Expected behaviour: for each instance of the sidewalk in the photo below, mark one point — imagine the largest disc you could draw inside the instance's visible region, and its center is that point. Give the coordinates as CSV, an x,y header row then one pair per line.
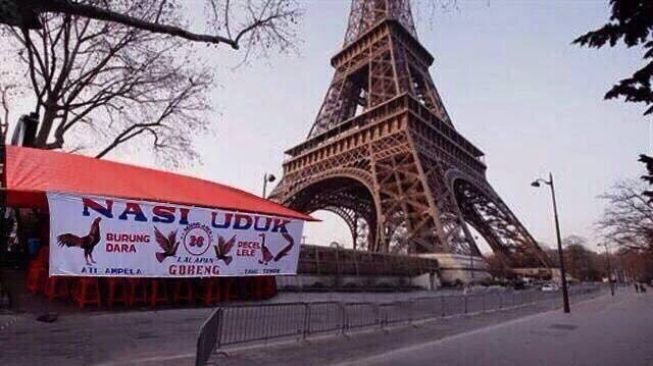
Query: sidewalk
x,y
605,331
529,335
169,336
123,337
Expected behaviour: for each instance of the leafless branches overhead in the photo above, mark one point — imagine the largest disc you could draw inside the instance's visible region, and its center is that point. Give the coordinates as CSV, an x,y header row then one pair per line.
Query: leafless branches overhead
x,y
98,85
233,22
628,217
108,74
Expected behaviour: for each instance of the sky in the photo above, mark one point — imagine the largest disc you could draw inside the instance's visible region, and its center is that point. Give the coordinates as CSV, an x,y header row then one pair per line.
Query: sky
x,y
509,77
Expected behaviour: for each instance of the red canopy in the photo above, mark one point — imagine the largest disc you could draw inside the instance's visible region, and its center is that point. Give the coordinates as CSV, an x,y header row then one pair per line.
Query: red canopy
x,y
32,172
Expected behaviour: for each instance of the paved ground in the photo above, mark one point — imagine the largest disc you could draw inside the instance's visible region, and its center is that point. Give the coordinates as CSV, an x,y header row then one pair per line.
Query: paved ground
x,y
99,338
603,331
608,331
169,336
117,337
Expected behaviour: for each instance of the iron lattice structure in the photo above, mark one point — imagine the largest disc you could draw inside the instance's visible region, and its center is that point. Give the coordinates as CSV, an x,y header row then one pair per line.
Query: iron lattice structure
x,y
384,155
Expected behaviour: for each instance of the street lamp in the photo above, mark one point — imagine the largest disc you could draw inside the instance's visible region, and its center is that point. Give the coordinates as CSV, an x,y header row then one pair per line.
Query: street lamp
x,y
607,257
471,261
565,295
267,178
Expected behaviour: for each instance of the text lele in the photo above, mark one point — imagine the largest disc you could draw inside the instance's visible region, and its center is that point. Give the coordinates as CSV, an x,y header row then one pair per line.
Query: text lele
x,y
170,214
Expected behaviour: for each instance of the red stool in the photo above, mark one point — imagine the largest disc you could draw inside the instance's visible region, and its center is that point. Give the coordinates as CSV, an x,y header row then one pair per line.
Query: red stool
x,y
182,291
159,293
264,287
87,292
244,287
254,287
210,293
227,285
136,291
117,292
37,276
57,288
269,287
257,286
43,255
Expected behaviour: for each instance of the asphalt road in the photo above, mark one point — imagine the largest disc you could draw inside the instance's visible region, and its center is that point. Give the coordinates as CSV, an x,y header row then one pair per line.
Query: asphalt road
x,y
605,331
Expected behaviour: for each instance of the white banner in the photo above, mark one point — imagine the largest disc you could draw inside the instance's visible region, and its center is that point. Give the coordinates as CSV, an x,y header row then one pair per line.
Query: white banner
x,y
98,236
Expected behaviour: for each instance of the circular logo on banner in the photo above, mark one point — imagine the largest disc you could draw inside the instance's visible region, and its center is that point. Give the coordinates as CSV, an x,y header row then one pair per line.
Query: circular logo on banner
x,y
197,238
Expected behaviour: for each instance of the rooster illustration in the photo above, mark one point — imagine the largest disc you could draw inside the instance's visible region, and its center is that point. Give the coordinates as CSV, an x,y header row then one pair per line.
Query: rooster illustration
x,y
223,248
267,254
87,242
168,244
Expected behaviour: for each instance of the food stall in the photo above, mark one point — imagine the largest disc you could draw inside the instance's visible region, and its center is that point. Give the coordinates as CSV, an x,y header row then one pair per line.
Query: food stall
x,y
122,234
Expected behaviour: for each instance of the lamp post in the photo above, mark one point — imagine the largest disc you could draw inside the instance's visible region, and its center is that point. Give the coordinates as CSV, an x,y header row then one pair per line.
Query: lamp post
x,y
565,294
471,263
267,178
607,257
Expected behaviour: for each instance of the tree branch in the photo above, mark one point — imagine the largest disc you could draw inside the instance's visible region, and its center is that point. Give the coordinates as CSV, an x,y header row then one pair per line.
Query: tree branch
x,y
94,12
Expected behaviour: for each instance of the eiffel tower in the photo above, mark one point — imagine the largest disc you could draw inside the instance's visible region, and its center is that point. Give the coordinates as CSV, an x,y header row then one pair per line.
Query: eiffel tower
x,y
384,155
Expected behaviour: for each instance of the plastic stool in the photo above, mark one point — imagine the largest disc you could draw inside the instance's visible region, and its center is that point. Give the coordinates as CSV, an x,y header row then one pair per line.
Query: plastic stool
x,y
264,287
87,292
136,291
37,276
252,286
117,292
227,285
210,293
57,288
159,293
182,291
269,287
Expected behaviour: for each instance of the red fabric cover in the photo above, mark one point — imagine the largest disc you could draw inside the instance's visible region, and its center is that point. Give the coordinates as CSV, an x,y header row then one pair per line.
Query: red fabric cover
x,y
33,172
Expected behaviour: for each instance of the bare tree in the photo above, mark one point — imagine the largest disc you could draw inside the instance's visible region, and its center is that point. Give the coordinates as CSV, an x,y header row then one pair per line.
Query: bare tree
x,y
628,218
633,264
232,22
106,84
497,266
101,84
10,90
582,263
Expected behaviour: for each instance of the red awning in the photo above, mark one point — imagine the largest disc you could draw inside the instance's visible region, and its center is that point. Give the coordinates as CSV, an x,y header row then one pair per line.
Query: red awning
x,y
32,172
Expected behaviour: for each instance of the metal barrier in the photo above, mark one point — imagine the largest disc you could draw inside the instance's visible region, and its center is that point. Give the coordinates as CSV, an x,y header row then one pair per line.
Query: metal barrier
x,y
324,317
240,324
361,315
208,341
251,323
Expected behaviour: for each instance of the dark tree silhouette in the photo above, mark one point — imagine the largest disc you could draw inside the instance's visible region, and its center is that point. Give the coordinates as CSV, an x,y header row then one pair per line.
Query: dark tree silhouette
x,y
98,86
233,22
108,74
627,220
631,22
582,263
635,264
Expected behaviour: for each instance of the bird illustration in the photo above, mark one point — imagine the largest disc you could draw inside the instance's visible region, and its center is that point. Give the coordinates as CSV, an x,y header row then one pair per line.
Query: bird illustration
x,y
87,242
284,252
223,248
168,244
267,254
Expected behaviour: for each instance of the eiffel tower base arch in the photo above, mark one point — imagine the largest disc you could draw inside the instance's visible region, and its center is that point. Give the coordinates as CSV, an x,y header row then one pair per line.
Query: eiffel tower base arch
x,y
415,190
